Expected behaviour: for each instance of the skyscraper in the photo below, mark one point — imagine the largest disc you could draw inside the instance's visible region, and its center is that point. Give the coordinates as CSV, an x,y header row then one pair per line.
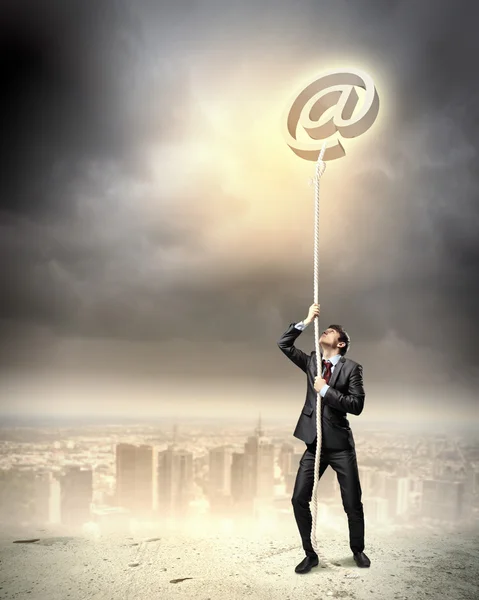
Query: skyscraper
x,y
220,474
76,489
136,478
258,467
175,481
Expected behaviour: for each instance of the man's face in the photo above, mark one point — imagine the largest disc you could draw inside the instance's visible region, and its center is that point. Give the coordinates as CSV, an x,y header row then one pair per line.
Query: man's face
x,y
330,337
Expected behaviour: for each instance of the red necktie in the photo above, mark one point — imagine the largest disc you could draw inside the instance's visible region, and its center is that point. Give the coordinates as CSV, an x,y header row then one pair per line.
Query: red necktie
x,y
327,373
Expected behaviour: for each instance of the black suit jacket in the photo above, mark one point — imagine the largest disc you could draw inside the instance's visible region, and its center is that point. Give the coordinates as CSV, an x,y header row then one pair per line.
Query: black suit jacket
x,y
345,395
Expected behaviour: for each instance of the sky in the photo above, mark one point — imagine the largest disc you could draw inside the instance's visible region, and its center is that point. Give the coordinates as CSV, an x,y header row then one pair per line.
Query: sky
x,y
157,232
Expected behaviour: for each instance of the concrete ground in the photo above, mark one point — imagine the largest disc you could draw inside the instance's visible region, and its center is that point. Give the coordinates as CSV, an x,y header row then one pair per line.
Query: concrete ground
x,y
405,564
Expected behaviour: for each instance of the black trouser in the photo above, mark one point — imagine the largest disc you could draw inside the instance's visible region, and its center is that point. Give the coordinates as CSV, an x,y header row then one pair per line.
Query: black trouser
x,y
345,465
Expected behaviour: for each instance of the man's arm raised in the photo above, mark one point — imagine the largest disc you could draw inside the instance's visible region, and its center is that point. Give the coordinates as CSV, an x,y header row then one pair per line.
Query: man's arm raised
x,y
286,342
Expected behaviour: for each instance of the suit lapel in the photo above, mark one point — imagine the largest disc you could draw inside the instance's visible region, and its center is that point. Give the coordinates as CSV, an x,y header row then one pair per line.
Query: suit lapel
x,y
336,371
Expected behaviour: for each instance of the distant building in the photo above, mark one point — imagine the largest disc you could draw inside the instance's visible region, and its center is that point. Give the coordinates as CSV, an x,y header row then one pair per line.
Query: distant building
x,y
136,478
288,462
220,476
28,496
175,481
395,490
366,477
376,509
16,495
76,492
443,500
237,477
286,459
47,498
253,472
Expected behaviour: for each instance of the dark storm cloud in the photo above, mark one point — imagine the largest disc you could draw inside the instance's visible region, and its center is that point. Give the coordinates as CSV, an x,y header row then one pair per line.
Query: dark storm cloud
x,y
76,86
74,89
438,304
103,274
61,91
418,248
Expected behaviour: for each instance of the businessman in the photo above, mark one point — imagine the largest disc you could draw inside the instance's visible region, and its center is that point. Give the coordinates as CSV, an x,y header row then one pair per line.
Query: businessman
x,y
341,388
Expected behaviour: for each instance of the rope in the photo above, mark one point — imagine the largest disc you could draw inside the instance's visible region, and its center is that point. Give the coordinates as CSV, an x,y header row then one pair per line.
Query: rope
x,y
320,168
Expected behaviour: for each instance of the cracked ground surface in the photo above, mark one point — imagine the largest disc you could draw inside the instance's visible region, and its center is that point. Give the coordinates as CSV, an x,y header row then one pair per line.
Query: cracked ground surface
x,y
405,564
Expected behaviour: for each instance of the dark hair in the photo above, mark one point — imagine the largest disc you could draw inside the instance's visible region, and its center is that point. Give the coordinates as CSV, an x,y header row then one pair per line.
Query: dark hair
x,y
343,337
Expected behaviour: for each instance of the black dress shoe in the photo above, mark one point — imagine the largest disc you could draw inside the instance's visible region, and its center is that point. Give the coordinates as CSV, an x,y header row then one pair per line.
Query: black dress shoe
x,y
307,564
361,559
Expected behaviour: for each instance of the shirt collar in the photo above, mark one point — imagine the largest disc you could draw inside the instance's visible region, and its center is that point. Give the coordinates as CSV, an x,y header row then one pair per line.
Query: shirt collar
x,y
334,359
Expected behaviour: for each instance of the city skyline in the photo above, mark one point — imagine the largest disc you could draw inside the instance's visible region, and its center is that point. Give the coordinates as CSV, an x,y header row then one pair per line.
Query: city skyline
x,y
81,478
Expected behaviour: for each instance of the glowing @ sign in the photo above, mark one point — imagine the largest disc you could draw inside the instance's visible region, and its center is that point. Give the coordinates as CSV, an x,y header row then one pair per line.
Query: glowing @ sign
x,y
333,90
